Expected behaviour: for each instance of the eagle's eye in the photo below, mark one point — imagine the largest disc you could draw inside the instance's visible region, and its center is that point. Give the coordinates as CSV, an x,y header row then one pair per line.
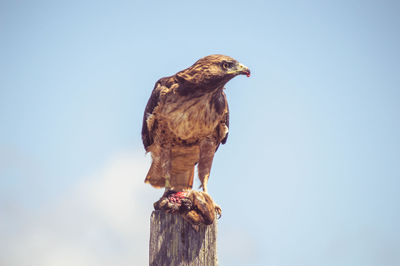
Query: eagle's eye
x,y
226,65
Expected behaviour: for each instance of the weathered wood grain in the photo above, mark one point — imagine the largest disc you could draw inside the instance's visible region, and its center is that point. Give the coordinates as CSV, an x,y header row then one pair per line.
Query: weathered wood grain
x,y
174,241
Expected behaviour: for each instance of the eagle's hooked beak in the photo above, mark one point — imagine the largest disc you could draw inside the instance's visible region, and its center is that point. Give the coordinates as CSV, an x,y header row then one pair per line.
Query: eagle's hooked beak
x,y
242,69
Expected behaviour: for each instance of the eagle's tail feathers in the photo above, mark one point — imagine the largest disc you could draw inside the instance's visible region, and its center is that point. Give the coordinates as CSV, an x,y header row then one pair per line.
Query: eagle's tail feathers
x,y
178,180
154,176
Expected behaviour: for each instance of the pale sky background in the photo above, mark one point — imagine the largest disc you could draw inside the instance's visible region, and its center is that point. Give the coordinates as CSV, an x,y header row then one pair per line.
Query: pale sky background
x,y
310,174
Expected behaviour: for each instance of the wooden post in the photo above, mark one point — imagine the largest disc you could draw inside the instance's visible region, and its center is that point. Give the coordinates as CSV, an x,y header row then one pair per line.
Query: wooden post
x,y
174,241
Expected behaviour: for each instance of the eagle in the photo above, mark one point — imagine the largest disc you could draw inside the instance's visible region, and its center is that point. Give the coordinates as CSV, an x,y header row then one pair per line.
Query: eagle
x,y
185,121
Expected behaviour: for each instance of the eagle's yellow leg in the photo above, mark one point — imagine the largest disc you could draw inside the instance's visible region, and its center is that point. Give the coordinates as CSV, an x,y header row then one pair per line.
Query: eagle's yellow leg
x,y
191,178
166,166
204,182
207,150
167,181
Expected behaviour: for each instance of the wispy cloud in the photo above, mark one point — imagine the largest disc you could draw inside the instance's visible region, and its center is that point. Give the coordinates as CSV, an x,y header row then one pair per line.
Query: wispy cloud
x,y
104,220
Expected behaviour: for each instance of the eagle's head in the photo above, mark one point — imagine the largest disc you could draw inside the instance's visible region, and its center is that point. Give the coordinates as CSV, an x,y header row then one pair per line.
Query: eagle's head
x,y
212,72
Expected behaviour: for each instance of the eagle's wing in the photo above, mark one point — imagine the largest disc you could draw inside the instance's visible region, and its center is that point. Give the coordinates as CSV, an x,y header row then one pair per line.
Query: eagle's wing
x,y
148,118
224,126
223,141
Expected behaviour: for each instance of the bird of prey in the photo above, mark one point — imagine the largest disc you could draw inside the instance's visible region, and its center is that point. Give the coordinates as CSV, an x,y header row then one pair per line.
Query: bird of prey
x,y
185,121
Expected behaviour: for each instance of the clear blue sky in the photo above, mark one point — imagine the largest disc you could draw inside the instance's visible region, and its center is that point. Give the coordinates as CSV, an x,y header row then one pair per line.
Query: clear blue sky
x,y
310,174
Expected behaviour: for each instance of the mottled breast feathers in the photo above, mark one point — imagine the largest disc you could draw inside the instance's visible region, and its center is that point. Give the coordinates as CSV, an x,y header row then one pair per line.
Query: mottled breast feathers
x,y
189,116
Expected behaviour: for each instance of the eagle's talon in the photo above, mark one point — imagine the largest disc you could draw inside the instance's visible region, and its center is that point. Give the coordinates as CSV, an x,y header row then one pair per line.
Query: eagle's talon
x,y
171,202
218,211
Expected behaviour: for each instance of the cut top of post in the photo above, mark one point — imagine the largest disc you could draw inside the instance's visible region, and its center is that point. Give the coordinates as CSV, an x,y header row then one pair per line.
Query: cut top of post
x,y
174,241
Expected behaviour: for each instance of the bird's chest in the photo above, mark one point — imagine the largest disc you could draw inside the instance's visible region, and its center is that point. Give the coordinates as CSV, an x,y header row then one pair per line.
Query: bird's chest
x,y
190,117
